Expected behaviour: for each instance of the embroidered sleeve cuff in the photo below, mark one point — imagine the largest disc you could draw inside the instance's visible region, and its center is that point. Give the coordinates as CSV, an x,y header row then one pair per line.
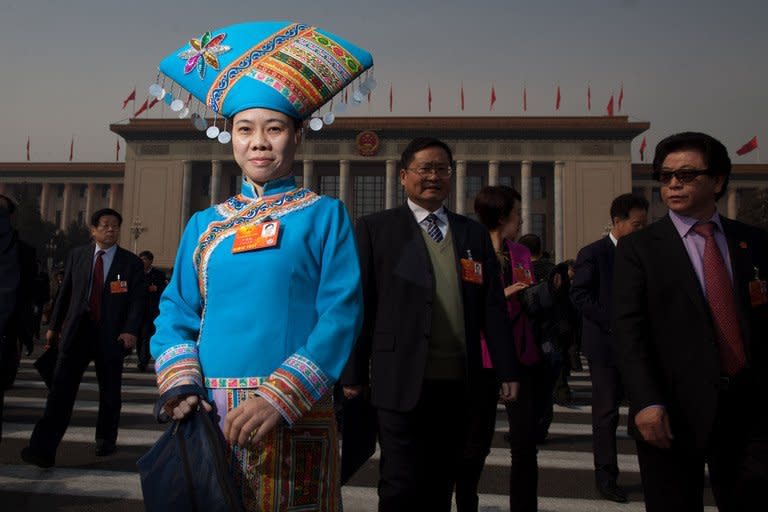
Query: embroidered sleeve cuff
x,y
178,365
295,387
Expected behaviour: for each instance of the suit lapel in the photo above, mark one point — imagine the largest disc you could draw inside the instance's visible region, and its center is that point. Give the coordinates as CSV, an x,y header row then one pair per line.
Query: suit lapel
x,y
676,257
459,233
85,272
413,264
115,267
743,271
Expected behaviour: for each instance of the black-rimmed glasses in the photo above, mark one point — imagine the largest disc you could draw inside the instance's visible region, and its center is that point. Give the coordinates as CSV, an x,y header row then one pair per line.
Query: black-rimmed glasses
x,y
682,175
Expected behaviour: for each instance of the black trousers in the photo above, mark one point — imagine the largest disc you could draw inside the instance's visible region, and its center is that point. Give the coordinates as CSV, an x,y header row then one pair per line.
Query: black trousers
x,y
421,449
142,347
673,479
70,367
607,392
523,433
484,397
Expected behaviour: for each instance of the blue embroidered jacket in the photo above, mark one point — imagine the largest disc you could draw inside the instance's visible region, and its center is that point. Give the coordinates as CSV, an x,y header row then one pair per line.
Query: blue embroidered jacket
x,y
281,319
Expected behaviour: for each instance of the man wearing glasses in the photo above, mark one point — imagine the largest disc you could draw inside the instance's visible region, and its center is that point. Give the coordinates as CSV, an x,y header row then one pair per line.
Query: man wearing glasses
x,y
691,330
97,317
431,285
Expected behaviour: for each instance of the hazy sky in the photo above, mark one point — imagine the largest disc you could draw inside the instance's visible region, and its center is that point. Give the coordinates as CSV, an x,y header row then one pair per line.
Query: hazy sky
x,y
65,67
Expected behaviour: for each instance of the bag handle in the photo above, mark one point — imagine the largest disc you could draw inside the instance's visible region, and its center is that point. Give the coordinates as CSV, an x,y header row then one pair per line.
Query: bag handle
x,y
176,391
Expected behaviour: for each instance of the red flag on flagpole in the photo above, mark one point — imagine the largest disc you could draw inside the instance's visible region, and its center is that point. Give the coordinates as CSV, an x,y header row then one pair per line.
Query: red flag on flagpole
x,y
72,149
525,99
189,98
557,101
462,96
493,96
346,95
429,97
152,103
27,148
130,97
621,96
390,96
142,108
609,108
369,97
117,150
643,145
749,146
589,98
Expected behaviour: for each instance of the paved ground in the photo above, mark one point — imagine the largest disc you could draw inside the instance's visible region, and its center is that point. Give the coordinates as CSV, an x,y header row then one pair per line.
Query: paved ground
x,y
80,481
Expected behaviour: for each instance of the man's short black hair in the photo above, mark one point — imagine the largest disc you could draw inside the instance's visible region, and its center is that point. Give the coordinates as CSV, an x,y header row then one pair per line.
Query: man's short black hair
x,y
625,203
712,150
420,143
494,203
10,204
532,242
96,217
147,254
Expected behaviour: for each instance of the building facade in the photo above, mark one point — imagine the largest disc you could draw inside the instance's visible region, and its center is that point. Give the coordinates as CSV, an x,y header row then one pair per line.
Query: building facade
x,y
567,170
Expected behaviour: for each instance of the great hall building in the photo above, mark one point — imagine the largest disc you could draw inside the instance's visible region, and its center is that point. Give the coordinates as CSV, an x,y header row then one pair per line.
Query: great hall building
x,y
567,169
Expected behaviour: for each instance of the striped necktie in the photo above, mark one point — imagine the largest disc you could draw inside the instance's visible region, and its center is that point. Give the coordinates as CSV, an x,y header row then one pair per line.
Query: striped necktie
x,y
432,228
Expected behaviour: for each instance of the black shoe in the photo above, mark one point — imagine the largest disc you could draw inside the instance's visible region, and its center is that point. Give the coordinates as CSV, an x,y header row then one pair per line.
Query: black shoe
x,y
610,491
104,447
30,457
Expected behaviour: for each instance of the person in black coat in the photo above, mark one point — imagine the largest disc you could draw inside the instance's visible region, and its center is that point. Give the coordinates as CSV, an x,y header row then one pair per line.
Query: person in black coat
x,y
430,285
155,283
9,282
690,324
97,317
591,293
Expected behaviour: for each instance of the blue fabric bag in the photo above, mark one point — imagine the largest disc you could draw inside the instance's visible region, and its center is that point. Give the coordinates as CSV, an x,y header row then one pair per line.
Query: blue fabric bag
x,y
186,469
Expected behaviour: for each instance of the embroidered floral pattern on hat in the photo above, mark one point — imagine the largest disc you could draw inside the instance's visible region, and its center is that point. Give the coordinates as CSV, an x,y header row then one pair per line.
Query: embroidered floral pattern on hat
x,y
204,52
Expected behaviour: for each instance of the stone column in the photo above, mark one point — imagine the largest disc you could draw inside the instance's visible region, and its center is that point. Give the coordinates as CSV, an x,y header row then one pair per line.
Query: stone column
x,y
113,196
186,191
345,184
559,165
390,185
461,178
526,195
733,202
215,186
45,195
309,174
65,213
89,195
493,172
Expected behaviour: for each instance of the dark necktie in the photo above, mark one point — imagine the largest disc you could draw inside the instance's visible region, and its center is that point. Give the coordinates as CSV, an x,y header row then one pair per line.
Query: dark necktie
x,y
722,302
97,284
432,228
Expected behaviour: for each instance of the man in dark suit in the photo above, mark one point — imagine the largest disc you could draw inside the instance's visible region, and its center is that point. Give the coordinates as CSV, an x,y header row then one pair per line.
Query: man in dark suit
x,y
9,282
691,338
431,285
591,293
155,283
97,316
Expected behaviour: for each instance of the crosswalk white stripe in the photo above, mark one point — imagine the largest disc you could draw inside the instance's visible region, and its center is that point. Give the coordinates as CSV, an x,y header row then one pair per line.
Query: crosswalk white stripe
x,y
548,459
124,485
89,386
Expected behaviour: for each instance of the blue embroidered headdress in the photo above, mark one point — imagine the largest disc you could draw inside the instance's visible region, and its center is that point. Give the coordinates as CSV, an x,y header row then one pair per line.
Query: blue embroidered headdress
x,y
289,67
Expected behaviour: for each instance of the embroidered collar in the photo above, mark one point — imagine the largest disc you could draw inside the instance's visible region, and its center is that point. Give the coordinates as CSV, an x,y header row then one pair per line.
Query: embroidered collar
x,y
271,188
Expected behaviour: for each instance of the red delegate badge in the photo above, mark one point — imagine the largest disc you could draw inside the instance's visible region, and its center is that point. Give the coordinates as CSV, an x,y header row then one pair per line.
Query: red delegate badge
x,y
256,236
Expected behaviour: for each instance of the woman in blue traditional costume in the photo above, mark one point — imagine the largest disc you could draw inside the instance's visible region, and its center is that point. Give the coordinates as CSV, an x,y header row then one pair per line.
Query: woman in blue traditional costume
x,y
265,319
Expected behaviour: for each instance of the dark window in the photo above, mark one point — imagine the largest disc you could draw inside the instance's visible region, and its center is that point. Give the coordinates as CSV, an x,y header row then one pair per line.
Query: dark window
x,y
539,187
83,190
329,186
205,188
472,185
369,195
656,195
539,226
59,191
57,218
105,191
81,217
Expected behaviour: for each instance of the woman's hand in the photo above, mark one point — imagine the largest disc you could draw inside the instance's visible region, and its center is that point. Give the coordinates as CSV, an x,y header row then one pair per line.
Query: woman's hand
x,y
249,422
180,407
514,289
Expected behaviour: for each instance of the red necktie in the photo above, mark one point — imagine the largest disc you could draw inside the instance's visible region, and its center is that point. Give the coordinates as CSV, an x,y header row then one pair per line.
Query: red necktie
x,y
97,284
722,302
